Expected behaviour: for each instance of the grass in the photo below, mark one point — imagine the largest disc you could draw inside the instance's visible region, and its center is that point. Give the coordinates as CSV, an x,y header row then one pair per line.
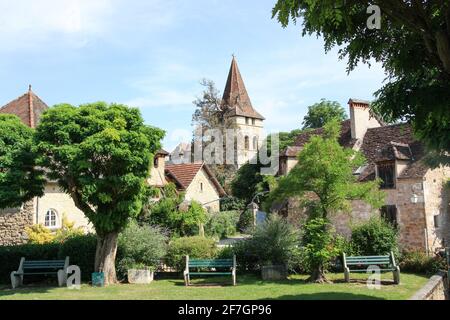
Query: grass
x,y
249,288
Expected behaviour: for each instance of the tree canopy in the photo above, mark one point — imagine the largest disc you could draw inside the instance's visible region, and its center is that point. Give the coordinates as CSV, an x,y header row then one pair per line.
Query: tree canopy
x,y
322,112
323,177
413,45
101,156
20,179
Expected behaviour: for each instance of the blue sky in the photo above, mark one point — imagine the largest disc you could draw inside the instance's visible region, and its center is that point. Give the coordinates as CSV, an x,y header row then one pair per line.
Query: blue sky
x,y
152,54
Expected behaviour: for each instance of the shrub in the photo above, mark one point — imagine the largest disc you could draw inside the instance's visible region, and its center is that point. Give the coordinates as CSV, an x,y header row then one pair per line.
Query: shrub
x,y
245,223
222,224
81,250
374,237
232,204
418,262
195,247
273,242
141,247
38,234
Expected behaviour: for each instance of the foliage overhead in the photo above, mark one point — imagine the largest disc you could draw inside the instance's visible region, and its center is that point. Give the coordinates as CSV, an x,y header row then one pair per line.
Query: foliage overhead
x,y
413,45
322,112
20,180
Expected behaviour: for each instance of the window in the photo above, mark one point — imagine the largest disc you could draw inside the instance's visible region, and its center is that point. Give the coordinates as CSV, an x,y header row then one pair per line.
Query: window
x,y
51,219
253,121
436,221
247,120
255,143
386,172
246,142
156,162
201,186
389,214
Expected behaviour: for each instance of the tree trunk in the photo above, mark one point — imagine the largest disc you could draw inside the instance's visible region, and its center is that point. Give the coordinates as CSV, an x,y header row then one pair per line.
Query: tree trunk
x,y
318,275
105,256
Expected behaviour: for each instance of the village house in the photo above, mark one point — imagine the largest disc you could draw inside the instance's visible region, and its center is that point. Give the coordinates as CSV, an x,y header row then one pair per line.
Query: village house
x,y
196,181
417,200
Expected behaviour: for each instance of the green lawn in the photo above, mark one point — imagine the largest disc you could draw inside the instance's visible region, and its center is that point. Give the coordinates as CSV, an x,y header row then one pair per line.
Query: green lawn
x,y
249,287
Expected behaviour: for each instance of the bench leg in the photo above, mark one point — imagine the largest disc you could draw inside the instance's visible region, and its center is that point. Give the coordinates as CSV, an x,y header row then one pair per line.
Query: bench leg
x,y
397,275
62,278
234,277
186,279
16,281
347,274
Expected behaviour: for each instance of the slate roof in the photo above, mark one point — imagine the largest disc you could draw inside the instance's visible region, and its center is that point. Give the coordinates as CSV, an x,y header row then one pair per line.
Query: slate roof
x,y
27,107
184,174
235,96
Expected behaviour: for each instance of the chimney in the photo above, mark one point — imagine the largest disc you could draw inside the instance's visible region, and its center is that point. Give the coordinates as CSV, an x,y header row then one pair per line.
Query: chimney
x,y
360,118
31,107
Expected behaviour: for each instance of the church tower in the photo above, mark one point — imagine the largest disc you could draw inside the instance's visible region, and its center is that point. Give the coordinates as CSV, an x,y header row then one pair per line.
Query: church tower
x,y
247,121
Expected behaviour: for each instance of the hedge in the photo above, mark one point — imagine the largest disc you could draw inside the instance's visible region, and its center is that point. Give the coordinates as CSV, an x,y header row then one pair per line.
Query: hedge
x,y
80,249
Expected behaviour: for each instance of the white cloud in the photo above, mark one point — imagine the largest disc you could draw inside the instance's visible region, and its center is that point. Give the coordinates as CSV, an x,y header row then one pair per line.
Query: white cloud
x,y
40,23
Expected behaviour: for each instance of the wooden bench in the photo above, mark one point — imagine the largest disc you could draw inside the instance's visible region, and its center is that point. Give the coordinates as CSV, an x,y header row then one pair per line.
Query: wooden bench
x,y
40,267
229,264
386,264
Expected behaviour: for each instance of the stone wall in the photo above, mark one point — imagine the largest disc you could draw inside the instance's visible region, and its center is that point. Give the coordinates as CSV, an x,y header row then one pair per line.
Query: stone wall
x,y
13,223
435,289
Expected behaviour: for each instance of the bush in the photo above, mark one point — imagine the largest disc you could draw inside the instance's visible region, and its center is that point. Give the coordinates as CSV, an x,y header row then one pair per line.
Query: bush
x,y
273,242
232,204
245,223
81,250
374,237
418,262
195,247
140,247
222,224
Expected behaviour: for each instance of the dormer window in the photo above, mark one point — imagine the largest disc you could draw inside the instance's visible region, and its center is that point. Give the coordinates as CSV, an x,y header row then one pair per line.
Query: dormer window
x,y
156,162
386,172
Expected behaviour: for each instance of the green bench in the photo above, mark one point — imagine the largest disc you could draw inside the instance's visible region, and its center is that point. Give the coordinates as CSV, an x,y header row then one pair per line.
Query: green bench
x,y
199,264
40,267
385,263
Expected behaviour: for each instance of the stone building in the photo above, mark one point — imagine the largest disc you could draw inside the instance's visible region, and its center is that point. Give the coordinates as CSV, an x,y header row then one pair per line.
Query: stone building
x,y
198,183
47,210
417,200
247,121
50,209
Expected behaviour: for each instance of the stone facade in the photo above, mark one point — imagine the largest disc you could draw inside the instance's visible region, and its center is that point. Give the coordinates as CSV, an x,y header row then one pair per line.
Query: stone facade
x,y
203,191
13,223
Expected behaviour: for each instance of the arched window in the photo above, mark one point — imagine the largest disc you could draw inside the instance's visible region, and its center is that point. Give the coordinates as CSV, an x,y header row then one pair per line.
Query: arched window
x,y
255,143
246,143
51,219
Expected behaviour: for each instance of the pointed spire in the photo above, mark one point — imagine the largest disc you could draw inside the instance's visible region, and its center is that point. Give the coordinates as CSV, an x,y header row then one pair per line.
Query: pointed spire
x,y
235,95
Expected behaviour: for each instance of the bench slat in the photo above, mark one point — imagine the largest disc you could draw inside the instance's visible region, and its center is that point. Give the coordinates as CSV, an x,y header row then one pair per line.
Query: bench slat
x,y
210,273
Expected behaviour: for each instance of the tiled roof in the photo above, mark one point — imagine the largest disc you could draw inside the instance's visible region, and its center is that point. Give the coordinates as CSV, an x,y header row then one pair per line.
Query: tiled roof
x,y
385,143
235,96
345,138
162,152
394,142
184,174
27,107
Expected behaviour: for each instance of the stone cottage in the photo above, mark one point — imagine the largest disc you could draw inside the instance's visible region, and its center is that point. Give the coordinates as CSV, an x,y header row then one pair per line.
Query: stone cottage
x,y
50,209
47,210
417,200
198,183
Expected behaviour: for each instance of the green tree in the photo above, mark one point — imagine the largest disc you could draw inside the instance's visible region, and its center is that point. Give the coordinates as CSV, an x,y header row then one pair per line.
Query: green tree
x,y
322,112
101,156
413,46
324,182
20,180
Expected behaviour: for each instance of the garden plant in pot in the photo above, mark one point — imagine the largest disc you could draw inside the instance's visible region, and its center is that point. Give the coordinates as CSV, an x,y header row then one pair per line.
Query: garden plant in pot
x,y
273,242
142,247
